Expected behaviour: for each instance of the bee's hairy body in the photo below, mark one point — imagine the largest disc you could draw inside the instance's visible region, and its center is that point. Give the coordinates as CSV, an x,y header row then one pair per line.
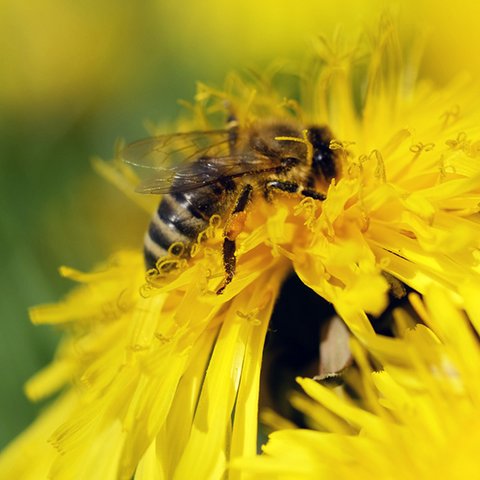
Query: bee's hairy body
x,y
267,160
181,217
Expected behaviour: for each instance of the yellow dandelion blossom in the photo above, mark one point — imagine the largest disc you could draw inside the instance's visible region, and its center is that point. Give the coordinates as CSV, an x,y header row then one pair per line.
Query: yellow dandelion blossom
x,y
158,375
420,415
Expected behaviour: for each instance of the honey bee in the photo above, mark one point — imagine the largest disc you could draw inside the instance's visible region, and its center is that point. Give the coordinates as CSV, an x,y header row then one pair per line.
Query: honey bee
x,y
222,172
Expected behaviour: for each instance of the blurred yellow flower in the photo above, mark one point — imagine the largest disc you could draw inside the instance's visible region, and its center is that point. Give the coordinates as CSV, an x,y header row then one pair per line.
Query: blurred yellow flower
x,y
161,376
70,56
420,414
452,33
55,52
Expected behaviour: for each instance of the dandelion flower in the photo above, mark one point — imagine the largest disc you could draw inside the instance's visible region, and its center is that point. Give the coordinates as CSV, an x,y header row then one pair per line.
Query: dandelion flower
x,y
419,418
159,376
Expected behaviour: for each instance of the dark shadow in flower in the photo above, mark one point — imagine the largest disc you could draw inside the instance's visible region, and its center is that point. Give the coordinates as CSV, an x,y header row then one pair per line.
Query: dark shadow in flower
x,y
296,344
292,345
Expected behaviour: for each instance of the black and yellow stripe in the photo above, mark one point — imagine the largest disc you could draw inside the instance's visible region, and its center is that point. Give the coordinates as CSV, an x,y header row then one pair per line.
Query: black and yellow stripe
x,y
180,217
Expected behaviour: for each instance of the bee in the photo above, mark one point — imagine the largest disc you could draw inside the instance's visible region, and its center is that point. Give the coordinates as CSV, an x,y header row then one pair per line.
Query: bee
x,y
221,172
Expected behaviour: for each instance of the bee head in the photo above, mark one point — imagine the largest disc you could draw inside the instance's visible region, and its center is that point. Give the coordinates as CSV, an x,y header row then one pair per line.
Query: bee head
x,y
323,161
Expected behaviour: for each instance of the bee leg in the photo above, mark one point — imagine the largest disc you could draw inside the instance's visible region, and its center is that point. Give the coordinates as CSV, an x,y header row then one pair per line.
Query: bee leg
x,y
279,185
307,192
291,187
233,227
229,263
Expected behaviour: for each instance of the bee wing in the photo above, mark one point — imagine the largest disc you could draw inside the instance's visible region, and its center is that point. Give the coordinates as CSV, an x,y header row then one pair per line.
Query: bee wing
x,y
206,171
182,162
166,152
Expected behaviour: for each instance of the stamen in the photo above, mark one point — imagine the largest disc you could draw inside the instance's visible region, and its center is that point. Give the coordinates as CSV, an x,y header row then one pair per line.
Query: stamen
x,y
460,143
251,317
215,221
307,207
450,116
420,147
464,144
340,144
176,249
194,249
380,171
474,150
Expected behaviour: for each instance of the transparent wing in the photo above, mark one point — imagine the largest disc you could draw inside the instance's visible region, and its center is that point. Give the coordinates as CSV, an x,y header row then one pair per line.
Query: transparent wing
x,y
165,152
185,161
206,171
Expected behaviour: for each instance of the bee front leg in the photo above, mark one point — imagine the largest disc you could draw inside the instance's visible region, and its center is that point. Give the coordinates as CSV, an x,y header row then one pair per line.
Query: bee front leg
x,y
233,227
307,192
291,187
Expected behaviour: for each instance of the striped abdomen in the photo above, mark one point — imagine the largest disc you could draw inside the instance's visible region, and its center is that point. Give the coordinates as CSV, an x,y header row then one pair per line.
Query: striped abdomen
x,y
180,217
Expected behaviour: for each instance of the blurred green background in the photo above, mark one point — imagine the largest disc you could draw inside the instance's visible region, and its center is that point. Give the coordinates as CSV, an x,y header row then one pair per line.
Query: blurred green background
x,y
75,76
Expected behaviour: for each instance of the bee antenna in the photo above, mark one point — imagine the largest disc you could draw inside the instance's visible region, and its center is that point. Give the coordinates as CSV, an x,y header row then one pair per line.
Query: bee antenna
x,y
303,140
